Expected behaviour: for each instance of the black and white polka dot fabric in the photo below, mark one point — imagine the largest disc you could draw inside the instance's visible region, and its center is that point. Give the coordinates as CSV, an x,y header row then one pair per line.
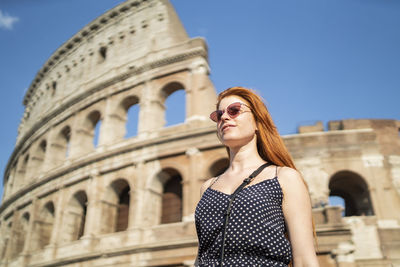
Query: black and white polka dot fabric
x,y
255,232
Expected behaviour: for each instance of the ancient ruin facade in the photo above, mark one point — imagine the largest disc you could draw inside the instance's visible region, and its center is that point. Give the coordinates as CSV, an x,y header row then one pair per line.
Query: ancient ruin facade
x,y
129,201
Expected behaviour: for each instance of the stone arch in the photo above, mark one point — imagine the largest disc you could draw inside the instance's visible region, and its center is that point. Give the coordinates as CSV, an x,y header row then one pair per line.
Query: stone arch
x,y
87,136
43,226
22,168
166,92
92,125
218,167
129,121
37,157
20,234
60,146
353,189
115,207
75,217
169,186
64,139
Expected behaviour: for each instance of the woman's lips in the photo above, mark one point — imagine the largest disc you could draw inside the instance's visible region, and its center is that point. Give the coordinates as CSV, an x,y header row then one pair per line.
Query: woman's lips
x,y
225,127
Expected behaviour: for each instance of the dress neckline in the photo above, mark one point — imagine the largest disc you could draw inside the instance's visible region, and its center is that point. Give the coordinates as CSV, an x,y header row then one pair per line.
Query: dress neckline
x,y
246,187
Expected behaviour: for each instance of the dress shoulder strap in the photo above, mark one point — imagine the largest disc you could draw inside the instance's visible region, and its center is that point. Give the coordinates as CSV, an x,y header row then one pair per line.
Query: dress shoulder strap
x,y
213,182
276,171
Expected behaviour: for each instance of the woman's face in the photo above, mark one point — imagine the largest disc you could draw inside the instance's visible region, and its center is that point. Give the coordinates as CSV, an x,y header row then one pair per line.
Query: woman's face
x,y
237,131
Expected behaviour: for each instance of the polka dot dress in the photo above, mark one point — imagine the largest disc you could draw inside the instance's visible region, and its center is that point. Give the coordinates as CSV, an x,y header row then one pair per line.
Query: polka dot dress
x,y
255,232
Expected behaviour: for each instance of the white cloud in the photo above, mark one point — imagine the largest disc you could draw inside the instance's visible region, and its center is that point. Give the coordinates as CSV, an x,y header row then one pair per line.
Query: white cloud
x,y
7,21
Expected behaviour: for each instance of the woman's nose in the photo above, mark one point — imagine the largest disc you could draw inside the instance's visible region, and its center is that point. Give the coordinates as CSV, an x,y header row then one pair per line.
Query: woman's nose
x,y
224,116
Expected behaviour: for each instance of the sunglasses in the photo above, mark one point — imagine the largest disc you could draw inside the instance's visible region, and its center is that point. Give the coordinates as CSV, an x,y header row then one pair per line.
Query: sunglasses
x,y
233,110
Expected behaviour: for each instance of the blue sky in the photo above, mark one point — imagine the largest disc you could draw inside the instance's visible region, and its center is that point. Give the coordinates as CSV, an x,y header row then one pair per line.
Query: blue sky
x,y
310,60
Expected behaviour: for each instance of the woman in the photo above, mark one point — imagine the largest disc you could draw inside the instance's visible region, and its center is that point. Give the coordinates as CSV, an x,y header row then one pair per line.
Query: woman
x,y
267,221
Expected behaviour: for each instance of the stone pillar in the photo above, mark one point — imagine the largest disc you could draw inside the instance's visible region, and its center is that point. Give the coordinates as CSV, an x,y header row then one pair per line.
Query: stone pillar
x,y
58,221
200,96
190,189
12,240
74,139
49,160
33,213
151,113
92,227
113,125
4,239
137,197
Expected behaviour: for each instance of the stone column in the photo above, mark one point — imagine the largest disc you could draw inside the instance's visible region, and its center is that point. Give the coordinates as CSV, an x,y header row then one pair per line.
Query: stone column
x,y
81,139
49,159
190,188
58,221
374,164
137,197
151,113
113,125
33,213
12,240
92,227
201,96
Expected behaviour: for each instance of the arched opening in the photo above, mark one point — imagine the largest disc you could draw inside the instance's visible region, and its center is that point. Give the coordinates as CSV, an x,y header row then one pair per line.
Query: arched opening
x,y
130,110
171,198
115,208
219,167
103,53
22,169
337,201
42,148
37,159
44,226
75,217
20,234
65,137
93,126
60,147
53,88
353,189
173,97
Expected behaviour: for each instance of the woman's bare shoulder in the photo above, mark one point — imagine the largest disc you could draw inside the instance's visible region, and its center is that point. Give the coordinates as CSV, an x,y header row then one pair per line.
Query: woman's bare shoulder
x,y
289,177
292,182
206,184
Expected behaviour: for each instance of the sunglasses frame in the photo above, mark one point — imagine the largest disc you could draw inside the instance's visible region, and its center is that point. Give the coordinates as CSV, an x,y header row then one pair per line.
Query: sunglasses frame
x,y
217,114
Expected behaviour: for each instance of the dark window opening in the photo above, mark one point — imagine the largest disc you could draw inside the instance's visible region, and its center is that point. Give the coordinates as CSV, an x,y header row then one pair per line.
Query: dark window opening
x,y
103,52
174,98
172,200
53,88
123,210
354,191
130,106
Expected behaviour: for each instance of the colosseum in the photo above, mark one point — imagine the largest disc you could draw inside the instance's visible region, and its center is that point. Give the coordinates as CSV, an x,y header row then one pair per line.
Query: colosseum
x,y
129,201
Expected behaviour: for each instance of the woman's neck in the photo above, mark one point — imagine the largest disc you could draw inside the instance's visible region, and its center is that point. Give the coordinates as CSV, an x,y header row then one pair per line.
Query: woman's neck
x,y
245,157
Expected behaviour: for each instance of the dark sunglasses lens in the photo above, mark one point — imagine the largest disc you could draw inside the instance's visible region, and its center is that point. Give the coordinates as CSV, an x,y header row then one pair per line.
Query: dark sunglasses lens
x,y
214,116
233,109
